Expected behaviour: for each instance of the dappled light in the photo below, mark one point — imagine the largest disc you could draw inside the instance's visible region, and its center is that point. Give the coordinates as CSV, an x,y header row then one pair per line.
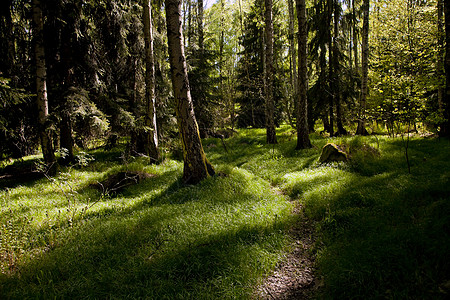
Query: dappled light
x,y
221,149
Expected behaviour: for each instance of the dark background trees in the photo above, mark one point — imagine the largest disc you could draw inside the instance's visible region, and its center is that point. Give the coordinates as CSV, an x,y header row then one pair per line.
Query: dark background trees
x,y
95,65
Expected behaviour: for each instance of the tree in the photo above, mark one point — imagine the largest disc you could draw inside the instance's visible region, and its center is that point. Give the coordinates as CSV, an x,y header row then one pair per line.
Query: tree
x,y
337,69
441,52
361,130
445,130
41,86
292,51
196,165
270,110
151,137
303,141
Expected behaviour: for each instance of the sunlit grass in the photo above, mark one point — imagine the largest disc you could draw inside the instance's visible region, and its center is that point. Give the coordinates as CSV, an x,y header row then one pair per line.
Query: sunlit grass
x,y
159,239
382,232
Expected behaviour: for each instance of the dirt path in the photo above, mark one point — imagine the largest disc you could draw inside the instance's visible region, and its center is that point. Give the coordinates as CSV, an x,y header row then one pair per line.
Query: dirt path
x,y
293,278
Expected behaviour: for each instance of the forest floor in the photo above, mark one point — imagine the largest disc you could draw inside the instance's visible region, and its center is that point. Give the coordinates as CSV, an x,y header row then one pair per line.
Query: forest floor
x,y
277,225
295,276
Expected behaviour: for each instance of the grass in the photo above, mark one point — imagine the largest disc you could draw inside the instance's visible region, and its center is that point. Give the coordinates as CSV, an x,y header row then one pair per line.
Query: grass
x,y
159,239
382,232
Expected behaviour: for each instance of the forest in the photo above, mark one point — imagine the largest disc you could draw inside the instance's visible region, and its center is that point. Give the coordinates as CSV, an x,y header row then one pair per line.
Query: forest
x,y
224,149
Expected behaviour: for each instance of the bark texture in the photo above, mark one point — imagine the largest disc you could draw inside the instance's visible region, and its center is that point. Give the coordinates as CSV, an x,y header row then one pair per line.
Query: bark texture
x,y
196,166
41,86
365,70
303,141
270,108
151,137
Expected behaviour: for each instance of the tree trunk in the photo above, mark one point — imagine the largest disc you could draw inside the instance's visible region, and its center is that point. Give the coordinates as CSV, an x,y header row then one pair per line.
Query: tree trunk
x,y
196,166
133,104
355,37
189,33
6,65
330,68
222,94
303,141
200,25
65,126
441,54
292,48
151,137
445,128
65,131
270,107
361,130
41,87
337,72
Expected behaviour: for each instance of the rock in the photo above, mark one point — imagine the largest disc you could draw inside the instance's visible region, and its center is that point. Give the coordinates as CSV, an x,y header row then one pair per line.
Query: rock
x,y
331,152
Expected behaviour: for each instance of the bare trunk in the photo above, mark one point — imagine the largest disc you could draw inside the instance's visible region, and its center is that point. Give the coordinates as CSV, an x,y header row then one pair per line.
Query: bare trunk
x,y
330,68
189,22
151,140
41,86
7,64
223,95
355,37
337,74
133,105
66,140
445,128
365,70
292,45
303,141
270,108
196,166
200,24
441,53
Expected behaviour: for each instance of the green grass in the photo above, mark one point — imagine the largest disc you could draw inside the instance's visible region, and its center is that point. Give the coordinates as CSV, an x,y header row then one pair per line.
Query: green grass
x,y
159,239
382,232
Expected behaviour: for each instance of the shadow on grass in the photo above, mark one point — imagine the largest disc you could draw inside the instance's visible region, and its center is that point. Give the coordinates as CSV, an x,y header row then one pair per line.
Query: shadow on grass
x,y
384,233
182,242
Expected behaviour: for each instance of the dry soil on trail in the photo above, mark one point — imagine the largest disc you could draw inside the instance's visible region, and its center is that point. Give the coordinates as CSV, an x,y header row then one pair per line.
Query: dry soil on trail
x,y
294,278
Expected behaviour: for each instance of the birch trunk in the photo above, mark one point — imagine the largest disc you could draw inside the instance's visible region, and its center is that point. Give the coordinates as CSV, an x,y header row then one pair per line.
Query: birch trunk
x,y
41,86
151,137
196,166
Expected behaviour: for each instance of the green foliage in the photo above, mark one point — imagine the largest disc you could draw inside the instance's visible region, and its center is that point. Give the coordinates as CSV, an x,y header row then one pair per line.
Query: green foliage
x,y
16,124
404,73
89,123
